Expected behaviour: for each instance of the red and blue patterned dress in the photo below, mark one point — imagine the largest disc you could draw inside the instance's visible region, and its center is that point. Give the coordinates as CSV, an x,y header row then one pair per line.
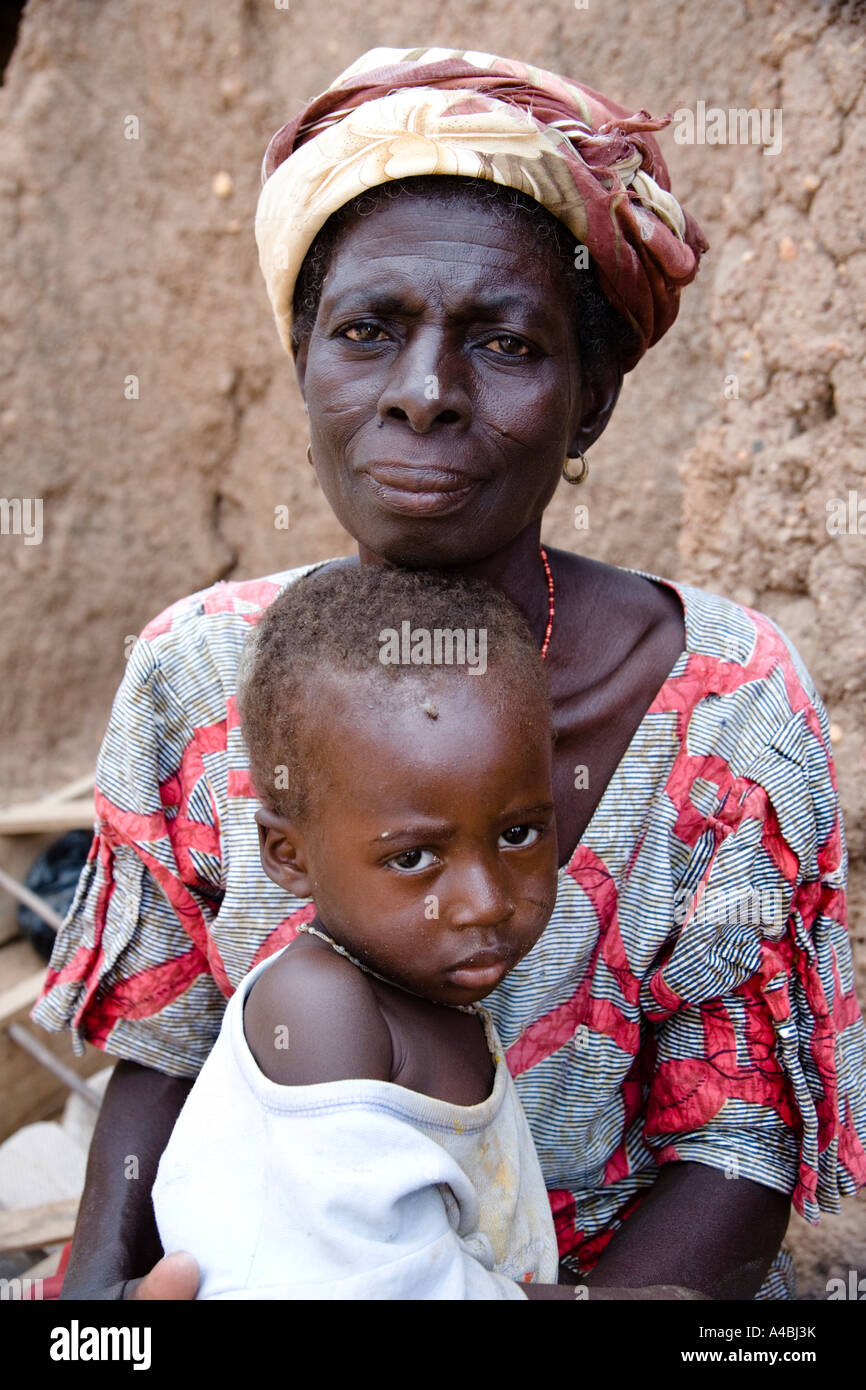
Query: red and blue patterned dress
x,y
664,1015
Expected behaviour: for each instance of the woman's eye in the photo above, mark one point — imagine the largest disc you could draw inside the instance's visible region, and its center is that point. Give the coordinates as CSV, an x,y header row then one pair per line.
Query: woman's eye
x,y
515,347
366,332
413,860
519,836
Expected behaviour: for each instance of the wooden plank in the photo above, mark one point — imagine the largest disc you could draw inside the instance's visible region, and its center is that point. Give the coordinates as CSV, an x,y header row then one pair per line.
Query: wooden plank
x,y
66,1075
47,817
20,997
75,790
9,928
18,853
18,959
33,1228
27,1091
30,899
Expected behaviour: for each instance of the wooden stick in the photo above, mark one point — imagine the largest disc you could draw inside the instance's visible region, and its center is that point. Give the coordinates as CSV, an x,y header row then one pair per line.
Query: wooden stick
x,y
41,1054
30,899
47,817
74,790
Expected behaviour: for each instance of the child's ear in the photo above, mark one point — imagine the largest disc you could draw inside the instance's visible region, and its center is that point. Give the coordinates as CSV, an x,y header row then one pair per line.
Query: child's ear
x,y
283,853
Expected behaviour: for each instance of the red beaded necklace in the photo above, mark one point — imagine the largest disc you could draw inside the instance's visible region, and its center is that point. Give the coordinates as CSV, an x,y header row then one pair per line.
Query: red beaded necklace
x,y
550,606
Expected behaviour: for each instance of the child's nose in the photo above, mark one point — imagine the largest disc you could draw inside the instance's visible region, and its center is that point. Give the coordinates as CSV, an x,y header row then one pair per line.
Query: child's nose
x,y
480,897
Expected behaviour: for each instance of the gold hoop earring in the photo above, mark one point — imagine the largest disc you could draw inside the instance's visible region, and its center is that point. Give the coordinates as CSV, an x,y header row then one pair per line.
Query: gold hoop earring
x,y
575,478
310,455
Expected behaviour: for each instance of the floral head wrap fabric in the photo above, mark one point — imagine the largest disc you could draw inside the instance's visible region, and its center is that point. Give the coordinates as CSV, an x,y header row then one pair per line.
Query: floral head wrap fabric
x,y
397,113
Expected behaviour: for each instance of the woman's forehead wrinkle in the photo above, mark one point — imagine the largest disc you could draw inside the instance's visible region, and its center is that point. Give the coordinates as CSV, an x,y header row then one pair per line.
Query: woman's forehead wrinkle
x,y
476,304
477,241
458,257
407,281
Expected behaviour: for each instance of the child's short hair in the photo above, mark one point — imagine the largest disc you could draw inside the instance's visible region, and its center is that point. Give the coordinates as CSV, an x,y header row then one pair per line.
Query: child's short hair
x,y
350,620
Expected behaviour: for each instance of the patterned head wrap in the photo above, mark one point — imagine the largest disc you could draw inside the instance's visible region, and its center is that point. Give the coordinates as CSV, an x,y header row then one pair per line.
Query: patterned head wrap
x,y
397,113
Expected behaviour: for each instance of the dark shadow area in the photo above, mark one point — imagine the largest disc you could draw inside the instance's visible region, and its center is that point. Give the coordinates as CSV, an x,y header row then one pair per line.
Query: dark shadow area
x,y
10,20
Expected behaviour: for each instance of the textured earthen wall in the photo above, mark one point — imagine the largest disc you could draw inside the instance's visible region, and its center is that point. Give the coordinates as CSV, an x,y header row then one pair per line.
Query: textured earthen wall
x,y
135,258
774,490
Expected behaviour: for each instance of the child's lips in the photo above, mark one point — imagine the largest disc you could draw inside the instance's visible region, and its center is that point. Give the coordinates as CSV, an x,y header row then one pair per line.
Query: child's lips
x,y
483,969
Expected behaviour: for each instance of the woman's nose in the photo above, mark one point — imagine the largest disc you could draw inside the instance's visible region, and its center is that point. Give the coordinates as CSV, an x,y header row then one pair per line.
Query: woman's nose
x,y
425,385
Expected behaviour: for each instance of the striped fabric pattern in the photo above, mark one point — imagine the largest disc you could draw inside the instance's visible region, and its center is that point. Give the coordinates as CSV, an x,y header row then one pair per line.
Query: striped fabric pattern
x,y
664,1015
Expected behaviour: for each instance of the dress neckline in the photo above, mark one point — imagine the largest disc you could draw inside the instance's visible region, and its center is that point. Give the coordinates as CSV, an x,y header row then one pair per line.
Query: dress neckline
x,y
686,651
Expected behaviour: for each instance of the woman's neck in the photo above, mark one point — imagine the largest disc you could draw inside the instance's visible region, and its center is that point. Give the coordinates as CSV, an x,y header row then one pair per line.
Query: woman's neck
x,y
517,570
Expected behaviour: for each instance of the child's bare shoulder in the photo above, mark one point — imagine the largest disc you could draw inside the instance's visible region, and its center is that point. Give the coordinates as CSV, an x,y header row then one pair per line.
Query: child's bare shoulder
x,y
313,1017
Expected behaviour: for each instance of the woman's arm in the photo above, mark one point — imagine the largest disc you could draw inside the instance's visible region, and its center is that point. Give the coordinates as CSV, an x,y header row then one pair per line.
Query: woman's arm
x,y
699,1229
696,1234
115,1235
125,973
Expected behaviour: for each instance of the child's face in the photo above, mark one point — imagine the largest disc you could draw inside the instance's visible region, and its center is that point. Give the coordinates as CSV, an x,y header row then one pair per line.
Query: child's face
x,y
430,848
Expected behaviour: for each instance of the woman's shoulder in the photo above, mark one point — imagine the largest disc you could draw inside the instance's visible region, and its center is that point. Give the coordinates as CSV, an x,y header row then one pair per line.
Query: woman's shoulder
x,y
744,696
729,648
737,641
720,627
191,649
244,600
739,694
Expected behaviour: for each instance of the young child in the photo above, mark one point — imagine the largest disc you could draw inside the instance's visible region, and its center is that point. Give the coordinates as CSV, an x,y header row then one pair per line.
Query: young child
x,y
355,1133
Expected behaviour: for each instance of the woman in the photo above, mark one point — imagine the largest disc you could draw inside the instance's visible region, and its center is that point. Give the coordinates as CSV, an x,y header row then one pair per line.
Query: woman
x,y
454,342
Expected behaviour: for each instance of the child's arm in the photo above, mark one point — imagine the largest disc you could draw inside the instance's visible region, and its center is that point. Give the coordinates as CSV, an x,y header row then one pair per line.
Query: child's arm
x,y
313,1017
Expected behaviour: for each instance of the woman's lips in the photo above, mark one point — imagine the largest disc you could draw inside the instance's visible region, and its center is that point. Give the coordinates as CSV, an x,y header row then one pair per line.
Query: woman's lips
x,y
419,490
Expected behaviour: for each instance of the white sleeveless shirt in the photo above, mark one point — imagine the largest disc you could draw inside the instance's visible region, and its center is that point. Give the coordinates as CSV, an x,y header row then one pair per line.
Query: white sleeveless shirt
x,y
354,1189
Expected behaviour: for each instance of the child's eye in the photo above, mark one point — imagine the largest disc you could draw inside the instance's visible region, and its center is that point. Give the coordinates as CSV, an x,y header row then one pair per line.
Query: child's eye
x,y
519,836
413,860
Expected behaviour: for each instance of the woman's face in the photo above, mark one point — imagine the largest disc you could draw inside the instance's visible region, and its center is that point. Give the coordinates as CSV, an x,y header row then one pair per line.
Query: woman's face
x,y
442,381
